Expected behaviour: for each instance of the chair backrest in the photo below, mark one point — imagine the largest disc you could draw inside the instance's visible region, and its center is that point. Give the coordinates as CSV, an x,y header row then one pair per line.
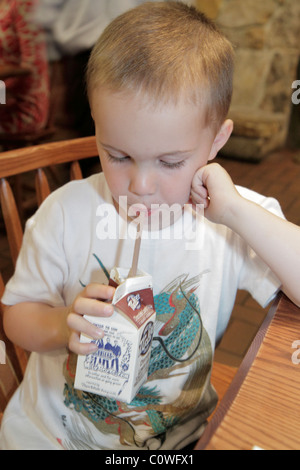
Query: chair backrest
x,y
12,164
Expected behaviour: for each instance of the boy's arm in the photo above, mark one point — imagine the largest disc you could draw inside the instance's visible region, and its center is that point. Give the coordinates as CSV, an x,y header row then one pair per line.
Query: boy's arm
x,y
36,326
276,241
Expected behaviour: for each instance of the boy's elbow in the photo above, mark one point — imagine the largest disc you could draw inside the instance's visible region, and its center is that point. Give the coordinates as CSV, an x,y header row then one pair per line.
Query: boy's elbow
x,y
7,327
296,302
293,298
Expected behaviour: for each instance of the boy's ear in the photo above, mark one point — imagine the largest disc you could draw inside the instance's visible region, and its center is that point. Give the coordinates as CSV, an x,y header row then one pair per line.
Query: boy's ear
x,y
221,138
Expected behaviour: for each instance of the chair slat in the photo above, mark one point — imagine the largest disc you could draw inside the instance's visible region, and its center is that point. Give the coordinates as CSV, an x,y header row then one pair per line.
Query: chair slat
x,y
2,287
41,185
30,158
75,171
11,219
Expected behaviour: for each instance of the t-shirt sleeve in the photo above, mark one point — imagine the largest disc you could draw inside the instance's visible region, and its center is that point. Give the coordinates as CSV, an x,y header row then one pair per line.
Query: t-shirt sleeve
x,y
41,267
255,276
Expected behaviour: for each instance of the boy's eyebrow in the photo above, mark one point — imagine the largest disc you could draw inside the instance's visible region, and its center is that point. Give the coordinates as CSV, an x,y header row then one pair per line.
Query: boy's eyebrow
x,y
166,154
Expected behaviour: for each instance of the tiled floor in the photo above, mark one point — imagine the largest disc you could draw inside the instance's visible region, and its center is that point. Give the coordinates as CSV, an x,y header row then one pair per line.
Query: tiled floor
x,y
278,176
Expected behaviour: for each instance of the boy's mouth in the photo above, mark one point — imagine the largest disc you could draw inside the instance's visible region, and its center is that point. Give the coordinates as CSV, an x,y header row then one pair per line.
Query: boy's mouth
x,y
137,209
156,215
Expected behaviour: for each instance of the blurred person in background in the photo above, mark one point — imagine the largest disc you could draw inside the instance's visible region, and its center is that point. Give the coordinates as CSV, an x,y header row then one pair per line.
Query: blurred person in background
x,y
72,28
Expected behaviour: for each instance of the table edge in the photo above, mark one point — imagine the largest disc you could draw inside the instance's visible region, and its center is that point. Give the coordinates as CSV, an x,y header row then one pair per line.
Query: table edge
x,y
239,378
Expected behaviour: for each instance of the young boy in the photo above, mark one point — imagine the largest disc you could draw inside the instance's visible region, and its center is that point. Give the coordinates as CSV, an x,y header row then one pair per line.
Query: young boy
x,y
159,84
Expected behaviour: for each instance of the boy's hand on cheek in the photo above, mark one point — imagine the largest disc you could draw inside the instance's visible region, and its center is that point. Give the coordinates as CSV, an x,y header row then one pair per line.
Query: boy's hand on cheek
x,y
213,187
91,301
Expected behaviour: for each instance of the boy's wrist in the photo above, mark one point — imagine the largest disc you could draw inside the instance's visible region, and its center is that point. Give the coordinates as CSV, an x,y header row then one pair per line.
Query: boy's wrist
x,y
65,330
236,215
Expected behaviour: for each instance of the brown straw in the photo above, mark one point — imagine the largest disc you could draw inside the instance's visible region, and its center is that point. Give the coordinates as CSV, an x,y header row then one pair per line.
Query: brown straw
x,y
137,246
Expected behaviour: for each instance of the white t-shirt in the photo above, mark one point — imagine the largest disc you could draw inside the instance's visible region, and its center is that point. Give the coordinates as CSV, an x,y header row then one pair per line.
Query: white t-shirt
x,y
66,245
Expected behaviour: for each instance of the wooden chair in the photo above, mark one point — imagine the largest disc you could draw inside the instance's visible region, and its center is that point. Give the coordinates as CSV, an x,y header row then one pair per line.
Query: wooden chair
x,y
37,159
14,162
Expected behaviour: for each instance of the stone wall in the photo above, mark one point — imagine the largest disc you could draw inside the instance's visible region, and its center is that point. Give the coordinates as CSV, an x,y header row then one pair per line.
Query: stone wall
x,y
266,37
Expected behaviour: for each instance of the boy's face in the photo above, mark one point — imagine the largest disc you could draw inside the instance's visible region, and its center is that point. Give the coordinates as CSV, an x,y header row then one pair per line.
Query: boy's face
x,y
148,153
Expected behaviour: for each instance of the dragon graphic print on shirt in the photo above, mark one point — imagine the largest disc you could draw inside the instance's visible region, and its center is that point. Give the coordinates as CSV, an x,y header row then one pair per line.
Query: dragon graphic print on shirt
x,y
178,384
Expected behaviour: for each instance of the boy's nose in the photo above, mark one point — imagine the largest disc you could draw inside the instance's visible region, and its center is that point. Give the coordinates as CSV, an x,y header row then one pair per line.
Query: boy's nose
x,y
142,182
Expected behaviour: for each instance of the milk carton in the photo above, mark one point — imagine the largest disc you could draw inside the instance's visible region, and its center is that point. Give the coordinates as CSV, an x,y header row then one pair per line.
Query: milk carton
x,y
120,365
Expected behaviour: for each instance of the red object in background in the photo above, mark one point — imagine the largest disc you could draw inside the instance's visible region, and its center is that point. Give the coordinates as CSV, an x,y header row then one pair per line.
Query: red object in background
x,y
22,47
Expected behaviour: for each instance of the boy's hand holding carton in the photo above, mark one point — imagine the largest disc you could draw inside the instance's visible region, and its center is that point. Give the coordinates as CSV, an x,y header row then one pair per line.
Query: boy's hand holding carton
x,y
119,366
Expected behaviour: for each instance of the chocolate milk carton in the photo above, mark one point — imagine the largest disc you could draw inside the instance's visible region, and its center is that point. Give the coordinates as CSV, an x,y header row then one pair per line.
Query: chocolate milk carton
x,y
120,365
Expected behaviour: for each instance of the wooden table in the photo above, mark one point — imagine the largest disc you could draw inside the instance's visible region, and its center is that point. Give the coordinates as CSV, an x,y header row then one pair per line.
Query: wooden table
x,y
262,405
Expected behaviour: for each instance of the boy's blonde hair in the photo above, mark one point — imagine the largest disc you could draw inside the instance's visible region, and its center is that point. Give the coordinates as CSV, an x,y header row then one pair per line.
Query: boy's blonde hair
x,y
166,50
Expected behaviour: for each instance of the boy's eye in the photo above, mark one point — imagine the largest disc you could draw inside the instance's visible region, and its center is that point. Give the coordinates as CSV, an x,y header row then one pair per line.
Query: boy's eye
x,y
117,159
172,166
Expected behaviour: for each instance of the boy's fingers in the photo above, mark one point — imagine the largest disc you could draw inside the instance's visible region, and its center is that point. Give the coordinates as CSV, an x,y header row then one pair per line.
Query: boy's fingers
x,y
80,348
91,306
90,300
98,291
80,325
